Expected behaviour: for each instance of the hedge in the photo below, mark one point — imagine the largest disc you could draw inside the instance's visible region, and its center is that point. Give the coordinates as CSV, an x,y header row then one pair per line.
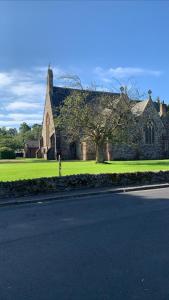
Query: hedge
x,y
7,153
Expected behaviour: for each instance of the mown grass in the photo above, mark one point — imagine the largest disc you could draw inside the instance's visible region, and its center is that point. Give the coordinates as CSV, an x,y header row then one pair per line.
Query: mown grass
x,y
34,168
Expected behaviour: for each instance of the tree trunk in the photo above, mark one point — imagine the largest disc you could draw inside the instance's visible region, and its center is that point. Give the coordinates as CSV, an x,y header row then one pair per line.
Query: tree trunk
x,y
99,153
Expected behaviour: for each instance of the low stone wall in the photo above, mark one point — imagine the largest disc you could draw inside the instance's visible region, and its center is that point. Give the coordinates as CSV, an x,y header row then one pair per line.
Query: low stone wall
x,y
65,183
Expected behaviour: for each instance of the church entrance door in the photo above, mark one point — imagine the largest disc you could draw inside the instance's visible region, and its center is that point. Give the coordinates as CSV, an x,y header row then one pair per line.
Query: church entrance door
x,y
72,149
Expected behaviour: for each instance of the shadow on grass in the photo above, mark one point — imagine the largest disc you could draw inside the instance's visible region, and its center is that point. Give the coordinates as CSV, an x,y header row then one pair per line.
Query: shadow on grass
x,y
104,163
20,161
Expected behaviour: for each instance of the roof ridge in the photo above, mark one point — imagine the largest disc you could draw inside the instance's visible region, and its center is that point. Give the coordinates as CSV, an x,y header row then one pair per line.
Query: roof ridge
x,y
85,90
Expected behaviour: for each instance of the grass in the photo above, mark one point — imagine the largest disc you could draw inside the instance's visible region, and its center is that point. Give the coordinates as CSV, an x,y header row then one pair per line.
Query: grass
x,y
36,168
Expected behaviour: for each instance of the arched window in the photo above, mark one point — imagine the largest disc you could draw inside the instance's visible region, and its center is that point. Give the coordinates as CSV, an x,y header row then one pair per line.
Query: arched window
x,y
149,133
47,129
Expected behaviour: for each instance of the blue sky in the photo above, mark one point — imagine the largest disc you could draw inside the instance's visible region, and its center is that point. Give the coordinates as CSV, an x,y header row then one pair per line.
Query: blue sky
x,y
100,41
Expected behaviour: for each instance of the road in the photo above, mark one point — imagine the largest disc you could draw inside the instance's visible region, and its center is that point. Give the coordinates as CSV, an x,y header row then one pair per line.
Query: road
x,y
106,247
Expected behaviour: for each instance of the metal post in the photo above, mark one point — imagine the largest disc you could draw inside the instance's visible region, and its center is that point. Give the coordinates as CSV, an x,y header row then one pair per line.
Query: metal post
x,y
60,165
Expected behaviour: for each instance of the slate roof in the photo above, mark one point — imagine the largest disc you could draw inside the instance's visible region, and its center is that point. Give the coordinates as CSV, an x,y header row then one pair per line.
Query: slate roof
x,y
32,144
139,107
156,105
134,102
61,93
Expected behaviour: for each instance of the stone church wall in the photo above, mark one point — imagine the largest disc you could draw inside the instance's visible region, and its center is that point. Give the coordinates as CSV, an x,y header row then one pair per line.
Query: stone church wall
x,y
123,152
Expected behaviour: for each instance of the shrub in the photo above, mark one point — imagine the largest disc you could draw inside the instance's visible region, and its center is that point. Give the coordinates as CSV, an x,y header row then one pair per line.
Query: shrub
x,y
7,153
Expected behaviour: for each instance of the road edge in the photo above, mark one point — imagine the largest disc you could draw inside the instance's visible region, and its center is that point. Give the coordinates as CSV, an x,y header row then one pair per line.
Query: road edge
x,y
77,194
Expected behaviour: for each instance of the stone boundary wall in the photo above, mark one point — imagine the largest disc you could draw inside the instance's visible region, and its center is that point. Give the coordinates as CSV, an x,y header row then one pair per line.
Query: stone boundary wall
x,y
66,183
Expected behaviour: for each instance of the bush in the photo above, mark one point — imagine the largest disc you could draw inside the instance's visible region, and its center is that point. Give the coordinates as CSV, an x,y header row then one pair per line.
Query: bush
x,y
7,153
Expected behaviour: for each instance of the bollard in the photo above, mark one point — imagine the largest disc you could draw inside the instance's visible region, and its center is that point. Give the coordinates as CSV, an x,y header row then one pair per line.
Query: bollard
x,y
60,166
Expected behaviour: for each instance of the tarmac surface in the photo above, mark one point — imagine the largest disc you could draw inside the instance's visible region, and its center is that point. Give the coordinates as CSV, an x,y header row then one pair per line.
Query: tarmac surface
x,y
99,247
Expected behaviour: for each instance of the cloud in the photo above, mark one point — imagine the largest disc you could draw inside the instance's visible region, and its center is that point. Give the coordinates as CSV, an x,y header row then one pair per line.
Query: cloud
x,y
123,72
30,89
22,106
15,119
23,116
14,123
22,93
5,79
20,86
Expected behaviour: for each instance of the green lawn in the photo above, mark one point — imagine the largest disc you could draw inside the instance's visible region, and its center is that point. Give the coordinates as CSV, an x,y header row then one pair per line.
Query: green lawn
x,y
32,168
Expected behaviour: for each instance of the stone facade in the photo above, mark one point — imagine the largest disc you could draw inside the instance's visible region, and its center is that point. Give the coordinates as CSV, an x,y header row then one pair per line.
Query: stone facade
x,y
151,120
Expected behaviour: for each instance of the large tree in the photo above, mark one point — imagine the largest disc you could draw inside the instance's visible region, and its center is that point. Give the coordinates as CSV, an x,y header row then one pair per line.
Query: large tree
x,y
36,131
100,120
8,138
27,132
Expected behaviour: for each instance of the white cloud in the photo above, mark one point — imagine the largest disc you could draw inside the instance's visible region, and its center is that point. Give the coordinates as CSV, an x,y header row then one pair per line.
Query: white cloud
x,y
14,123
30,89
22,93
15,119
5,79
123,72
22,106
24,116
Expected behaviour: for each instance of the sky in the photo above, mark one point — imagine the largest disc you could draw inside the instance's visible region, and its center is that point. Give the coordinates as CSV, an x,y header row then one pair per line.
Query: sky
x,y
105,43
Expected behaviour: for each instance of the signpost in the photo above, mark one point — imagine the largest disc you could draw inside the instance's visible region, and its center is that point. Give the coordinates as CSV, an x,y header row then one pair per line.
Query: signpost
x,y
60,165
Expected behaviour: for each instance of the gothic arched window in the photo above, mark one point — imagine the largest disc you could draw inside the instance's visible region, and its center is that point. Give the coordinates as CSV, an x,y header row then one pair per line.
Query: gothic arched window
x,y
149,133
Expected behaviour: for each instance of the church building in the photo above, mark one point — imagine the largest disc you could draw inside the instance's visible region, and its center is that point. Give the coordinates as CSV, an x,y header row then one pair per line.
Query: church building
x,y
151,116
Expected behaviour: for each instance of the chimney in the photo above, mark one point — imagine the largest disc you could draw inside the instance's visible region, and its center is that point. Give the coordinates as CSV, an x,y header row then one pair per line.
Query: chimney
x,y
163,109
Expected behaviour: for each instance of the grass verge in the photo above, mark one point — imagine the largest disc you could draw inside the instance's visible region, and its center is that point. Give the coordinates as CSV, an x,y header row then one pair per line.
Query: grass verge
x,y
34,168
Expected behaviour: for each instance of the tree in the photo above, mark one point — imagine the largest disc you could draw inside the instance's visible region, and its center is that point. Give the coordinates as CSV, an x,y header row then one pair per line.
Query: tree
x,y
97,119
28,133
36,131
24,127
3,131
12,131
8,138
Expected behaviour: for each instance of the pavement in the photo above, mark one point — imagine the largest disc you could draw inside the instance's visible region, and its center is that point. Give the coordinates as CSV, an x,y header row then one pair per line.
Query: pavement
x,y
76,193
111,246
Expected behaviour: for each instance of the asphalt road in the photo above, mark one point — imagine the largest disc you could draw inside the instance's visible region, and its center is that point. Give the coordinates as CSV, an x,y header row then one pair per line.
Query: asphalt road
x,y
106,247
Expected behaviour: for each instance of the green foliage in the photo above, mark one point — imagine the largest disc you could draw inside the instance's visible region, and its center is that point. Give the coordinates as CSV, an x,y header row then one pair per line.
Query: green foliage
x,y
8,141
14,140
24,127
36,131
73,116
7,153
